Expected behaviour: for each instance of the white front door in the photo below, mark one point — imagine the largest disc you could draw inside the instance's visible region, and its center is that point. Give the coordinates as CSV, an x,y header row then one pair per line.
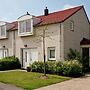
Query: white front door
x,y
29,56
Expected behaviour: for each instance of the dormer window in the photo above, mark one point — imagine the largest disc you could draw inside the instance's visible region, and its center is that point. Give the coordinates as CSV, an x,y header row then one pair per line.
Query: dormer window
x,y
3,33
2,30
25,25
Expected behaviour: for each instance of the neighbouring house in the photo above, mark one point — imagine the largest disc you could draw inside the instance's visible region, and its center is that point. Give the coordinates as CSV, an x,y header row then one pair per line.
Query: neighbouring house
x,y
60,31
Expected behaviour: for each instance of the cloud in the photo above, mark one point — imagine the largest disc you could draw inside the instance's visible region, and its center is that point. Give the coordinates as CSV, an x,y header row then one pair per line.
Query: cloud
x,y
67,6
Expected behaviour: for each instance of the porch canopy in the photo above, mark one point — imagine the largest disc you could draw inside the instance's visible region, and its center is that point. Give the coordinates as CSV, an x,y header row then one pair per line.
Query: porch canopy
x,y
85,42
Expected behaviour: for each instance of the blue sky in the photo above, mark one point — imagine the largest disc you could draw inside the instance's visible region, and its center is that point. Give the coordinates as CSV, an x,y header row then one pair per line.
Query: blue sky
x,y
10,10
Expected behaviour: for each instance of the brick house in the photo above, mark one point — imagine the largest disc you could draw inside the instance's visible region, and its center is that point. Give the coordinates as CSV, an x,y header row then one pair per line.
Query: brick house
x,y
63,30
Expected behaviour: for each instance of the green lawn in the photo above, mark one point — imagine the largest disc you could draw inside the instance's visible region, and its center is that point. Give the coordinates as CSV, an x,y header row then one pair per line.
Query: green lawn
x,y
29,80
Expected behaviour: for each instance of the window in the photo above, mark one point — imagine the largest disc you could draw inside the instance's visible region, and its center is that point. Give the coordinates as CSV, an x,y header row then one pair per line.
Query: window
x,y
25,27
2,31
51,53
25,56
72,25
3,53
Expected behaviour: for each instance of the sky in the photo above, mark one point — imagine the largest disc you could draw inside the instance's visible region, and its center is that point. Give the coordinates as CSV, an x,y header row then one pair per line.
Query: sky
x,y
10,10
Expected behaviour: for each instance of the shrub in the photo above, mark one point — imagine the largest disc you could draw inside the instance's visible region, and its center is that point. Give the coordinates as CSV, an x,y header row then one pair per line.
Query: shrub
x,y
67,68
50,67
38,67
8,63
72,68
74,55
58,68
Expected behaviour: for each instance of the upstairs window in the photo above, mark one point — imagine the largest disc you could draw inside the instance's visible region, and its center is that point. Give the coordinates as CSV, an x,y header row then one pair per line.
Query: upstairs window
x,y
25,27
72,25
26,23
3,31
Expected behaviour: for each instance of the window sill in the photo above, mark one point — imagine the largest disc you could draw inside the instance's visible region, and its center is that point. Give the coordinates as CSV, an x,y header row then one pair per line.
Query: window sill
x,y
25,34
52,59
3,37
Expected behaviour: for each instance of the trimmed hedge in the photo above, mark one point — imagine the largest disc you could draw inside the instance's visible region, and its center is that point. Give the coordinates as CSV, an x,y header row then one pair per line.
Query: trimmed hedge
x,y
9,63
67,68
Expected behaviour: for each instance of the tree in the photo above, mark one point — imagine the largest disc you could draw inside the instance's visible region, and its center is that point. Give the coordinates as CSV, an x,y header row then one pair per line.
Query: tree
x,y
43,35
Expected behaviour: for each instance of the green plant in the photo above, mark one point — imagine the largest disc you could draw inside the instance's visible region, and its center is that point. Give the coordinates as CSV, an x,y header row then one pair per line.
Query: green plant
x,y
74,55
72,68
84,60
38,67
8,63
58,68
50,66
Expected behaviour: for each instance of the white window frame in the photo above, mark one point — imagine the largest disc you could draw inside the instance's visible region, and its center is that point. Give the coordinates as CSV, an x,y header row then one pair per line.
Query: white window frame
x,y
3,36
49,57
25,33
4,54
71,25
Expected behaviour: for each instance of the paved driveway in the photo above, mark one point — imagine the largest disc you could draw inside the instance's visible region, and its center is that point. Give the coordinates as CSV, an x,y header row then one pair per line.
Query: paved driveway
x,y
74,84
8,87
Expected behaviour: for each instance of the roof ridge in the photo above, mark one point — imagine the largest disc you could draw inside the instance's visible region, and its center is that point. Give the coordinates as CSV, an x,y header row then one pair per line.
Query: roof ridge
x,y
62,10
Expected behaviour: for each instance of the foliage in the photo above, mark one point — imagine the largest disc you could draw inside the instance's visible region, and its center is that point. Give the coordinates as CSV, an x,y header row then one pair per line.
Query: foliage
x,y
38,67
74,55
72,68
8,63
68,68
50,66
29,80
58,68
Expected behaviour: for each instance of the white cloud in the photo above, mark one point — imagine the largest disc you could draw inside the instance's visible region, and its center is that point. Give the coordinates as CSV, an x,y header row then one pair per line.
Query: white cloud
x,y
67,6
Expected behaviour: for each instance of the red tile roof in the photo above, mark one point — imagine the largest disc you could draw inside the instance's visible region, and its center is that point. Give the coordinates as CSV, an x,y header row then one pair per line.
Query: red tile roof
x,y
55,17
85,41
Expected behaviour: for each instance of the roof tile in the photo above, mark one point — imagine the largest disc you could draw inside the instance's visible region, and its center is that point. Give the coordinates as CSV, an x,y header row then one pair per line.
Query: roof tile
x,y
55,17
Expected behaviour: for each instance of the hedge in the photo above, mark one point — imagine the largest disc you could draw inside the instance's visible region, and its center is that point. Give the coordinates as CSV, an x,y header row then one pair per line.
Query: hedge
x,y
67,68
9,63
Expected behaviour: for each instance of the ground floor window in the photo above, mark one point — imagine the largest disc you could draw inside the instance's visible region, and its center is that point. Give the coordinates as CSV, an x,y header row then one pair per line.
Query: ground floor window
x,y
3,53
51,53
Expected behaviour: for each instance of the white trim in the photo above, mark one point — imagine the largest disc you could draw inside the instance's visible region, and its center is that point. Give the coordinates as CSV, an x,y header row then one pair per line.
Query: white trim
x,y
52,59
4,36
25,33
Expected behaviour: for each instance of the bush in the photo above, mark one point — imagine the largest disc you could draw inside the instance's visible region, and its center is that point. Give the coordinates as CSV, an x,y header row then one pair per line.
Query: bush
x,y
37,67
58,68
74,55
50,67
72,68
9,63
67,68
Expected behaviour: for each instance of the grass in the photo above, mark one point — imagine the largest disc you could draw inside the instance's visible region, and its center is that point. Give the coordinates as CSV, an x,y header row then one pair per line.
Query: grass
x,y
29,80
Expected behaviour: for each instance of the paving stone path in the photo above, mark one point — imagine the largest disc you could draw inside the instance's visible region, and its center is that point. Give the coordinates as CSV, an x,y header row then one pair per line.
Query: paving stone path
x,y
8,87
74,84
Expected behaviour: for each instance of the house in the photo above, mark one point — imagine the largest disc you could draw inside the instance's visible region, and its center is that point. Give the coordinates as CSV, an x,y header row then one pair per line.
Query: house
x,y
58,32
